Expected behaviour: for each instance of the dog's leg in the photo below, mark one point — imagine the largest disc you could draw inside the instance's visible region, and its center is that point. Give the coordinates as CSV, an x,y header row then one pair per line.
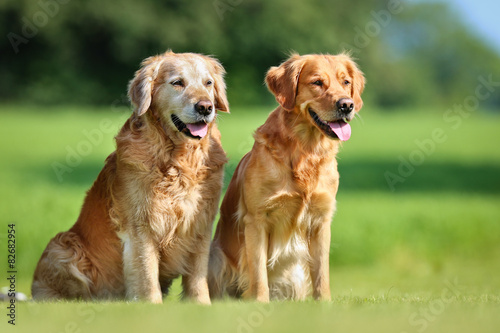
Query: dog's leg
x,y
216,269
194,283
59,272
141,266
256,244
319,250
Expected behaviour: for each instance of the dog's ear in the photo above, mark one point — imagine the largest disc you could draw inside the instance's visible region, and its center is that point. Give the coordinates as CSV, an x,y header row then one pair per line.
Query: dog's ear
x,y
358,84
140,88
221,103
282,81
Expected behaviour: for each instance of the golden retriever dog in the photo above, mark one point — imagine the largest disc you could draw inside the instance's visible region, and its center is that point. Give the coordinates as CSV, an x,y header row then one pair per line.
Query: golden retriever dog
x,y
273,236
148,217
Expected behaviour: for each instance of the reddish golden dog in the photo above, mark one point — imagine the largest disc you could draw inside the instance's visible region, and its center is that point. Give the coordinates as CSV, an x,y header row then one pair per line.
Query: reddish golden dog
x,y
273,236
148,217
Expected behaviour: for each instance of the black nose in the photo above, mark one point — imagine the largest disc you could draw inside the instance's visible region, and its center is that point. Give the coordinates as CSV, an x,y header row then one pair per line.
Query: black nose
x,y
345,105
204,107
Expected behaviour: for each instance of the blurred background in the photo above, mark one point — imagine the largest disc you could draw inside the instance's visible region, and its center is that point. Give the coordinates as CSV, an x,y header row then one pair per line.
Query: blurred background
x,y
414,53
419,197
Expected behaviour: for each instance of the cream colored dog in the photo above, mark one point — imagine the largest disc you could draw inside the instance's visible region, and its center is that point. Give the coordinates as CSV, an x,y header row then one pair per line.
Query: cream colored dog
x,y
148,217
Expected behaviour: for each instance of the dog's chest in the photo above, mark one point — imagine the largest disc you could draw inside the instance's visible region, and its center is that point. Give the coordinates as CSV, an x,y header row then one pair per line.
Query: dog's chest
x,y
304,197
293,209
293,212
177,196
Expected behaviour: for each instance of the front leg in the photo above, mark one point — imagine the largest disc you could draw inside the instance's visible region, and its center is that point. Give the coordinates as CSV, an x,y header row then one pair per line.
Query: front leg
x,y
256,244
194,283
140,266
319,251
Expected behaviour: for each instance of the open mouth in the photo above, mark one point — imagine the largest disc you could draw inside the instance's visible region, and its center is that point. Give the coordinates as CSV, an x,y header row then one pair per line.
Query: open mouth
x,y
336,129
195,130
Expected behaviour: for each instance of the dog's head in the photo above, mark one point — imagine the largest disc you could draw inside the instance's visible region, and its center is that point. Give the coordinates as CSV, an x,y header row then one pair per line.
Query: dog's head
x,y
184,90
326,89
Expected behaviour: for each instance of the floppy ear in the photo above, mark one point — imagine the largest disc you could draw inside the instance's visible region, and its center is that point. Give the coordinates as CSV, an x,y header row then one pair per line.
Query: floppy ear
x,y
357,86
221,103
282,81
140,88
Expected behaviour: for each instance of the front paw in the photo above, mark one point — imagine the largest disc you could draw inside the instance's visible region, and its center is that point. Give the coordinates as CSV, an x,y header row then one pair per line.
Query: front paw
x,y
155,298
263,298
260,294
203,299
323,296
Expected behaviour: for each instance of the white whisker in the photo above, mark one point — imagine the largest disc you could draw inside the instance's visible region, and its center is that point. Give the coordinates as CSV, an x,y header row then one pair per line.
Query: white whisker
x,y
359,117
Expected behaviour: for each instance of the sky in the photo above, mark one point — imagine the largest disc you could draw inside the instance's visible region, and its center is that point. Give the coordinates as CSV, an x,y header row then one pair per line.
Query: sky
x,y
482,16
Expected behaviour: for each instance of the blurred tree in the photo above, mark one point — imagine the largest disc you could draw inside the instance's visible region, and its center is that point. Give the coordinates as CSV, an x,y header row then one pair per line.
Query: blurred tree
x,y
73,51
437,57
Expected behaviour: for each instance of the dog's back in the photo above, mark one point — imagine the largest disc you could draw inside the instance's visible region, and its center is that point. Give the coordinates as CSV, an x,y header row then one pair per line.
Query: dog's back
x,y
84,262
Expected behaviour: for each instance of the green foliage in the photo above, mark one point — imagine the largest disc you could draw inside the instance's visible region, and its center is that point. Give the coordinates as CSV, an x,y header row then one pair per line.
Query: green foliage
x,y
439,57
85,52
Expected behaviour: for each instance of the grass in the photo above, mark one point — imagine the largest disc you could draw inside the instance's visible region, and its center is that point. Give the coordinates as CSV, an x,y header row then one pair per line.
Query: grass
x,y
395,249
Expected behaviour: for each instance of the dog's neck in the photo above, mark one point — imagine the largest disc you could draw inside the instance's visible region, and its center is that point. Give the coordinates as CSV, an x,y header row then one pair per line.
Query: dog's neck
x,y
289,136
293,128
159,144
293,141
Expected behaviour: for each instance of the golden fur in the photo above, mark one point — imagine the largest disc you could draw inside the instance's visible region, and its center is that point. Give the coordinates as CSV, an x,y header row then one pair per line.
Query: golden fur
x,y
148,217
273,236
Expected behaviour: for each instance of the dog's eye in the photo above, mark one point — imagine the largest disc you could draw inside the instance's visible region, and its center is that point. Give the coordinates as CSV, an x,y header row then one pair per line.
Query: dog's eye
x,y
209,83
318,83
347,82
177,83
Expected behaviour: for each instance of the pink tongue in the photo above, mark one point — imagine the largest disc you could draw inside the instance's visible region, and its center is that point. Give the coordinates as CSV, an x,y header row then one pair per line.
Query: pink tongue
x,y
200,129
342,129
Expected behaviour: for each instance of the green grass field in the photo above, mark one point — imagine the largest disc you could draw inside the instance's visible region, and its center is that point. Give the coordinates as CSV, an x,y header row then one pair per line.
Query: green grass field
x,y
415,241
